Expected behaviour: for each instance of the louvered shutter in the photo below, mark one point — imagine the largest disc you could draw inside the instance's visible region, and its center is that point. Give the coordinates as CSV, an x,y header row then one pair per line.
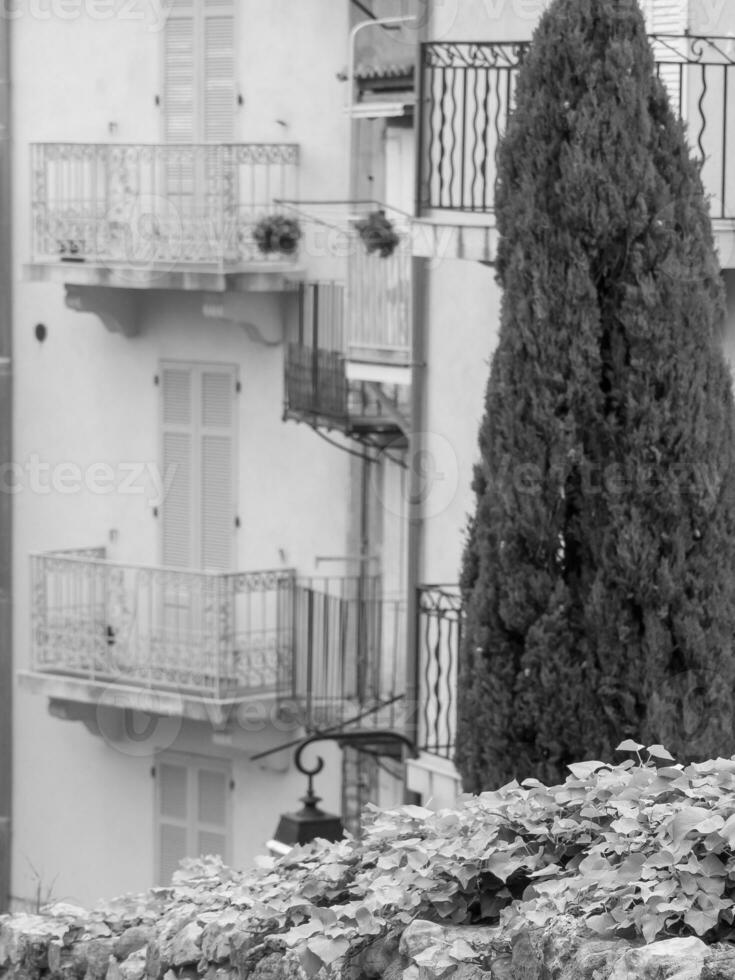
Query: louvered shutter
x,y
192,811
218,75
178,452
217,489
211,829
179,74
199,72
173,818
199,462
669,17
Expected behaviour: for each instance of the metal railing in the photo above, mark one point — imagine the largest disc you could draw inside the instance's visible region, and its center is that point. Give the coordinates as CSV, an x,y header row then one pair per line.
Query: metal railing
x,y
352,643
152,203
439,637
467,92
377,303
379,296
329,644
218,635
316,386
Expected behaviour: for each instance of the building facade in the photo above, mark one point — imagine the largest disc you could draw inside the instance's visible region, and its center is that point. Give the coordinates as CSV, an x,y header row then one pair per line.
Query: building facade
x,y
244,422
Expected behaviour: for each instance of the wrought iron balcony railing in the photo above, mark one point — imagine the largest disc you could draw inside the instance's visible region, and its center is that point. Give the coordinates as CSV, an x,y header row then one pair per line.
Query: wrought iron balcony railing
x,y
216,635
379,296
439,636
146,204
317,388
351,646
327,646
467,93
377,305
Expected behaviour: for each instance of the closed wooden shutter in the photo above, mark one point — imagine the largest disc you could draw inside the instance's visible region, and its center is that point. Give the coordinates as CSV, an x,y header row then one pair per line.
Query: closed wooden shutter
x,y
173,819
211,824
179,73
178,541
665,16
217,514
199,72
669,17
219,72
192,818
199,465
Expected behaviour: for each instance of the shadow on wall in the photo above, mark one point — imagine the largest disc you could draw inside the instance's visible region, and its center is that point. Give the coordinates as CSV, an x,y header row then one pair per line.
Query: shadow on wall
x,y
728,276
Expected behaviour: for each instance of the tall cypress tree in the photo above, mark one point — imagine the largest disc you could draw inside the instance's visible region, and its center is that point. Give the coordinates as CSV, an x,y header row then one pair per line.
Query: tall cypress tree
x,y
599,570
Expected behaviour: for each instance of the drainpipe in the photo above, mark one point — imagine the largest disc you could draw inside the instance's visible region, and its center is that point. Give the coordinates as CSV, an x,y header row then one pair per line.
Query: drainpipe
x,y
6,433
415,496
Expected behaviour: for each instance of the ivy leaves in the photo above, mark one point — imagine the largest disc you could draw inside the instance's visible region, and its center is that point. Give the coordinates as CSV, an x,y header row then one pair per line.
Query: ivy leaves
x,y
645,848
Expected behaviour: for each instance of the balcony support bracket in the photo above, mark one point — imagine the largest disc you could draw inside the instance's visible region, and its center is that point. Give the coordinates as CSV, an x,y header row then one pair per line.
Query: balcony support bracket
x,y
118,309
389,407
225,308
377,741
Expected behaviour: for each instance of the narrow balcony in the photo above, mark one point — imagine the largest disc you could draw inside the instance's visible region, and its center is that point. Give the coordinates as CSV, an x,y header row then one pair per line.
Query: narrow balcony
x,y
367,246
466,97
318,386
196,645
438,642
351,664
177,642
167,216
379,317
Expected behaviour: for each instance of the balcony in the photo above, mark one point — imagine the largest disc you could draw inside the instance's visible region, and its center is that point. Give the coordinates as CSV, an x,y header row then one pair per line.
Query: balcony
x,y
198,644
377,308
167,216
465,100
438,642
351,659
319,388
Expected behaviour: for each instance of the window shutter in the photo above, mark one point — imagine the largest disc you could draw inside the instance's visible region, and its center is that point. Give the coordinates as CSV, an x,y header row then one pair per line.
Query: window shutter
x,y
669,17
173,819
179,72
219,73
178,465
665,16
212,812
192,811
198,442
199,72
218,517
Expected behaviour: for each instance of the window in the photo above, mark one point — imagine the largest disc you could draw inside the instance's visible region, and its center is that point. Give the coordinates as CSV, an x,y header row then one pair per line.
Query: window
x,y
198,455
199,72
192,811
669,17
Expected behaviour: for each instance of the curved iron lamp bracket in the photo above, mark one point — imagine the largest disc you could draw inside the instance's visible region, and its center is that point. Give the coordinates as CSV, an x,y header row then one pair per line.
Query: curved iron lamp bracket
x,y
376,737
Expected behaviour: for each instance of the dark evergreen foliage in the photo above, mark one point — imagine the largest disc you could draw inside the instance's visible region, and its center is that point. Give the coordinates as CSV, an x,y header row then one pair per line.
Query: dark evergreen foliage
x,y
599,571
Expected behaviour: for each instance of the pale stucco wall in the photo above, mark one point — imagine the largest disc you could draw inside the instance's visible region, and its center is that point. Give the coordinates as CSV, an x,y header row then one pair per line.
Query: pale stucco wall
x,y
87,396
462,317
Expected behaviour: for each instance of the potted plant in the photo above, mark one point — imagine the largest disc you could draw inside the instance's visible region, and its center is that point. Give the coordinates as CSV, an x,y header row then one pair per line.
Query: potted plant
x,y
378,234
277,233
70,250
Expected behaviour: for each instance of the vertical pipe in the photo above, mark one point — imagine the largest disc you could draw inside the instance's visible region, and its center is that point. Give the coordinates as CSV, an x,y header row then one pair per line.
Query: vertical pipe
x,y
315,381
413,562
6,443
419,164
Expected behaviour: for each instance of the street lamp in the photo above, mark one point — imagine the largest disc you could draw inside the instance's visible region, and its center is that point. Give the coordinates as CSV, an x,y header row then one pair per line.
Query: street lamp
x,y
310,822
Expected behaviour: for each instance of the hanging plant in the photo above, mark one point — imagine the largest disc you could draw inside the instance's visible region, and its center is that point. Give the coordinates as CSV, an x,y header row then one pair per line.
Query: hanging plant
x,y
378,234
277,233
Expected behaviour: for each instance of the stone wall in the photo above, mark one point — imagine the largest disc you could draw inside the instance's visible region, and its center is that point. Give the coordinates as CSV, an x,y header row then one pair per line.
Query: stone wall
x,y
172,933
